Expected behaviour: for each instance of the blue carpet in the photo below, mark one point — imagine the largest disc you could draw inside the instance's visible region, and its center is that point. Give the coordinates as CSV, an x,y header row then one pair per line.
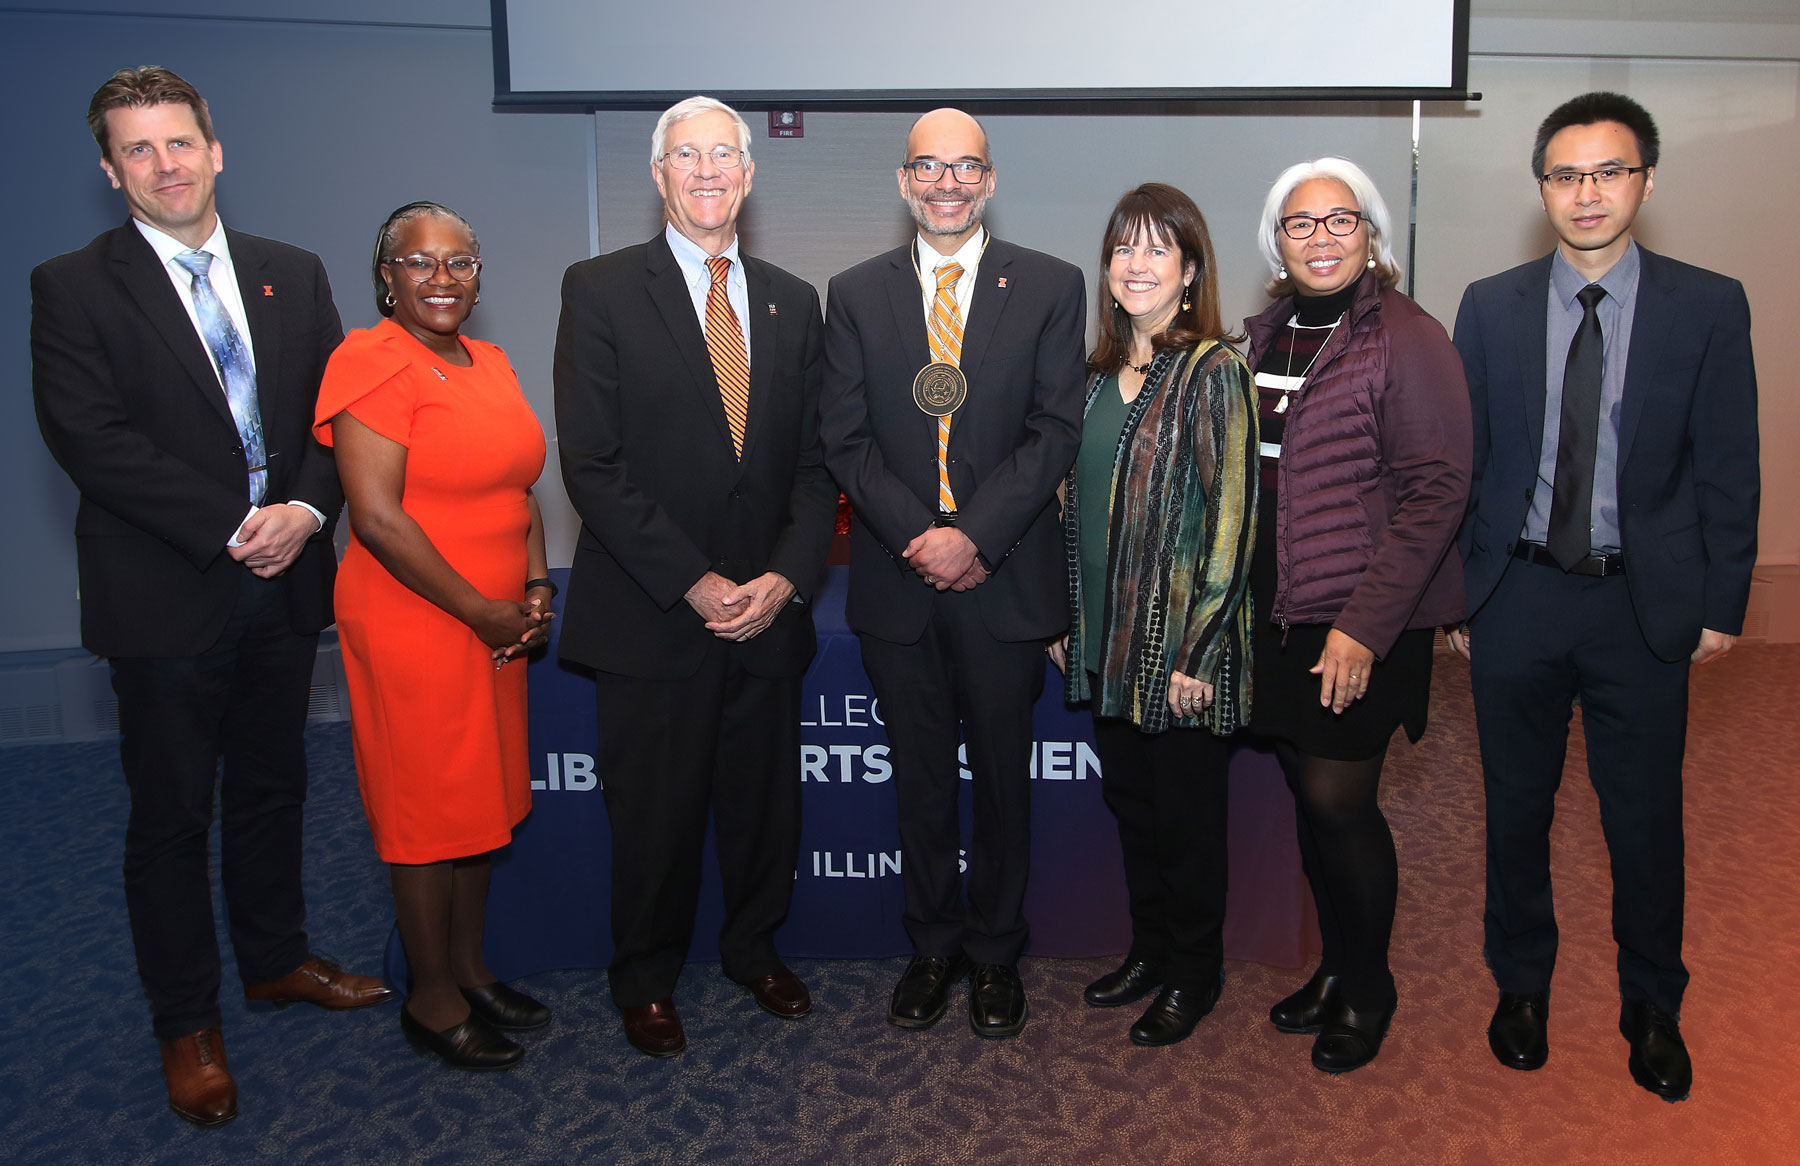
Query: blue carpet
x,y
81,1081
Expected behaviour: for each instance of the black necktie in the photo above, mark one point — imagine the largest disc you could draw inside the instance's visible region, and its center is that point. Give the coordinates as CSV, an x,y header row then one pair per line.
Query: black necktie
x,y
1572,500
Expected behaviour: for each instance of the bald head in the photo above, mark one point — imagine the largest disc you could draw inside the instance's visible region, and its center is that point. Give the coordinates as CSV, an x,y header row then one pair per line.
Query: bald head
x,y
947,126
947,208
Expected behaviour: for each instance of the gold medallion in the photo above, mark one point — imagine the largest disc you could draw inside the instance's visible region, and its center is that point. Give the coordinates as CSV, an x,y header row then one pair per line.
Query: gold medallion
x,y
940,389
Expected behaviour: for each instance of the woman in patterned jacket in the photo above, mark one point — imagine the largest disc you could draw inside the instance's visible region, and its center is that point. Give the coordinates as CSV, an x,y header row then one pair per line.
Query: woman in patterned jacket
x,y
1157,518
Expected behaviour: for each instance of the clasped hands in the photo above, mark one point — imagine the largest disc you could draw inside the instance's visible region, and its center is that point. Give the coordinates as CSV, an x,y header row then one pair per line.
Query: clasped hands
x,y
512,630
272,538
739,611
945,558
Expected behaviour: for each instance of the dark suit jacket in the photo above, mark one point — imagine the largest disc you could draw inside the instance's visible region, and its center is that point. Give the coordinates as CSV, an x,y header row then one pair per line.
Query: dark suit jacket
x,y
1688,480
648,464
1010,444
131,408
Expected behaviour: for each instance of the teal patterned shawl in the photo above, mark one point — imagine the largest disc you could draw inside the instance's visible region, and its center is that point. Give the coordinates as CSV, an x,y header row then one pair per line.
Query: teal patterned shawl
x,y
1181,524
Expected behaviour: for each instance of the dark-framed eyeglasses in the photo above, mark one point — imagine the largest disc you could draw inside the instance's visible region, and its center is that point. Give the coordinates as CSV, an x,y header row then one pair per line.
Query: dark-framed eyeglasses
x,y
929,170
686,157
1339,223
1605,178
420,267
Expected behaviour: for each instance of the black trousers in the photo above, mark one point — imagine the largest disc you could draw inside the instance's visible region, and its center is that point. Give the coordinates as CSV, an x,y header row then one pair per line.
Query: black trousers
x,y
1170,792
244,699
724,742
957,682
1544,640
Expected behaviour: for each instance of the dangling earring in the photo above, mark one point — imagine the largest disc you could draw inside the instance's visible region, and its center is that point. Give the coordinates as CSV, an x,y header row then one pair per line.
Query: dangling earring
x,y
1281,274
388,300
1186,303
1371,261
1115,305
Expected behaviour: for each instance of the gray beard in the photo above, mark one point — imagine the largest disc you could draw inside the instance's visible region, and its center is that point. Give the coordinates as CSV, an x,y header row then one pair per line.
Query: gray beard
x,y
930,226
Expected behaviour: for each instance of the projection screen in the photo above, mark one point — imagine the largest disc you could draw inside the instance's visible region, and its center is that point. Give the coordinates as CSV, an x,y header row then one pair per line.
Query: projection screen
x,y
639,54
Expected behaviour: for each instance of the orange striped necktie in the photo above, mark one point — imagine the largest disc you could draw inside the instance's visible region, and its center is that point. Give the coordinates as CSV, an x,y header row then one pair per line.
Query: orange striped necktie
x,y
944,331
725,345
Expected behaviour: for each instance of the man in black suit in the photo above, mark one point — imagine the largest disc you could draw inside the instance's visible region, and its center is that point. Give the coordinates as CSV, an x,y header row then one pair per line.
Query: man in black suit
x,y
687,399
174,366
1609,542
952,410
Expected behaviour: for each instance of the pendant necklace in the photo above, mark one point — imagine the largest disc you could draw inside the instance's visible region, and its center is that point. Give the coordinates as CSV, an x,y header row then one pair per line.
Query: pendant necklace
x,y
1294,323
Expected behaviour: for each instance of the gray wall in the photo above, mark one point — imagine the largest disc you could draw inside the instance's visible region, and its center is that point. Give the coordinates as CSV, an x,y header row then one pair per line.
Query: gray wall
x,y
326,127
330,121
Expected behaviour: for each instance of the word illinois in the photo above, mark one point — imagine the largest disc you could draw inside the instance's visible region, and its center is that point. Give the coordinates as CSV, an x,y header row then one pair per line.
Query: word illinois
x,y
876,864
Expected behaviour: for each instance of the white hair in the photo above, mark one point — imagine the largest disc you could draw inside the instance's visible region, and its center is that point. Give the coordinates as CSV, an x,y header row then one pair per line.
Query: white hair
x,y
691,107
1362,189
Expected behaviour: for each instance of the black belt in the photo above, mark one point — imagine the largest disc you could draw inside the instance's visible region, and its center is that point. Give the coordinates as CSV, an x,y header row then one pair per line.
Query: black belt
x,y
945,518
1597,565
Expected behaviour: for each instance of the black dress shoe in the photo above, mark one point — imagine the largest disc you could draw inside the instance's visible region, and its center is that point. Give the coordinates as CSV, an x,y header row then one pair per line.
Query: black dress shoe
x,y
1519,1032
1172,1016
1659,1057
1349,1039
473,1044
1134,980
1306,1010
923,993
996,1001
505,1007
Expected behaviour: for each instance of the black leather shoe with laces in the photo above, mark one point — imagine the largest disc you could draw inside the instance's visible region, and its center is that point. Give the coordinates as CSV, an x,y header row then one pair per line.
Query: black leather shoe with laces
x,y
1659,1057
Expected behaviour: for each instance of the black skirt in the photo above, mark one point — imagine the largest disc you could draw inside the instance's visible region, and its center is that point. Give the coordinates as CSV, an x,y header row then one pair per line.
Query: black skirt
x,y
1285,695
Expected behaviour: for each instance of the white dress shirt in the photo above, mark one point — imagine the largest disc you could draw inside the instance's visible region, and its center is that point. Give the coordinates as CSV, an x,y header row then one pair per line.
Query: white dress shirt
x,y
929,259
223,277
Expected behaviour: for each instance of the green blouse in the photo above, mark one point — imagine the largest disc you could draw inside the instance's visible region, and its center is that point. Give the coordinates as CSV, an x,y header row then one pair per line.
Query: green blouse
x,y
1093,475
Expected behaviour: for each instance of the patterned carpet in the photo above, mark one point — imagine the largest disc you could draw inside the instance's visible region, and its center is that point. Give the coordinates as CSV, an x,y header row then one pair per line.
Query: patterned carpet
x,y
80,1081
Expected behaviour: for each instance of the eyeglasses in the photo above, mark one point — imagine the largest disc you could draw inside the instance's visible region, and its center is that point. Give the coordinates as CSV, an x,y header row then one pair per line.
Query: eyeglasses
x,y
686,157
419,267
929,170
1605,178
1339,223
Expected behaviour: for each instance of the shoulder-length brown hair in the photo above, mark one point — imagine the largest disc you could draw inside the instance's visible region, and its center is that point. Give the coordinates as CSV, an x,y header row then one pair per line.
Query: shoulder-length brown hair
x,y
1171,218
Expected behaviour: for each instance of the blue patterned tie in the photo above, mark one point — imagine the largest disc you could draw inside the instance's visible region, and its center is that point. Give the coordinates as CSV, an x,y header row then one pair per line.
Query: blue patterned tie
x,y
233,361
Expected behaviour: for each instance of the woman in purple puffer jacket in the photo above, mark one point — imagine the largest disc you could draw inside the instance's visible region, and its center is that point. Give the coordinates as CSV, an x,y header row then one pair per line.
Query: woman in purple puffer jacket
x,y
1365,473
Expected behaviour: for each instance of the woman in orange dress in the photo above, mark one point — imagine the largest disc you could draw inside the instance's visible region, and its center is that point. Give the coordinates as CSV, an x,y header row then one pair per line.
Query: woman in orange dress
x,y
440,597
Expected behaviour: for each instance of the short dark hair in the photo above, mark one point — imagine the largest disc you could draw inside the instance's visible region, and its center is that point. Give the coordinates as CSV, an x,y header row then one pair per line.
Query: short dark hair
x,y
1598,106
143,86
1170,217
388,238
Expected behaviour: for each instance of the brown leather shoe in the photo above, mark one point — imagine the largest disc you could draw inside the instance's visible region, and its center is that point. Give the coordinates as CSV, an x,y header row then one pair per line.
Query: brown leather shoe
x,y
781,994
200,1085
319,981
655,1029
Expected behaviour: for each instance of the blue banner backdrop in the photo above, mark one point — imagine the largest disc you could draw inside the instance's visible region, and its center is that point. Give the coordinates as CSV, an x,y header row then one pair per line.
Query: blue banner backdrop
x,y
548,905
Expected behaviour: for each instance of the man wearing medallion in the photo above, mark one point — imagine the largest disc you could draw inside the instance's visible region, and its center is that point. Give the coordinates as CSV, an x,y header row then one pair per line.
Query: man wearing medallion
x,y
951,410
687,397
